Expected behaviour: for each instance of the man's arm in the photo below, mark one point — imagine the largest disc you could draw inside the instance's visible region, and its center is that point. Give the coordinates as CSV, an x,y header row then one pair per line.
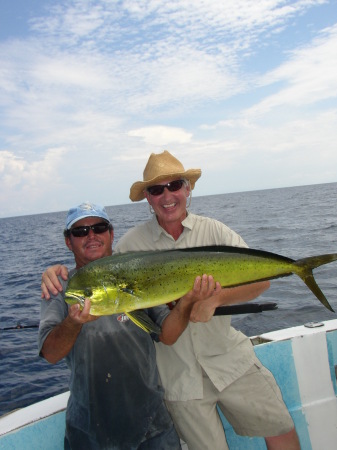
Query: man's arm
x,y
63,336
176,322
203,310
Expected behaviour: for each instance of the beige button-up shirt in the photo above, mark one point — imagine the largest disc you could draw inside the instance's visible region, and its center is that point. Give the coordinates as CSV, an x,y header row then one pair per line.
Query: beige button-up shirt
x,y
215,347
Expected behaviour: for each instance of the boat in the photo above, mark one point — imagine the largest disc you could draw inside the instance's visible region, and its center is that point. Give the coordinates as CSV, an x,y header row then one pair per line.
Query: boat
x,y
303,360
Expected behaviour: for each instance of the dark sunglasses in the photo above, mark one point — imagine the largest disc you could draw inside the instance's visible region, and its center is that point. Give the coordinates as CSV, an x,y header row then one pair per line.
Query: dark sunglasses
x,y
158,189
98,228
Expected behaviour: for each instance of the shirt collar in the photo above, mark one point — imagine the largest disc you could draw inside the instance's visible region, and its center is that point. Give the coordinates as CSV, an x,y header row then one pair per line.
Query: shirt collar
x,y
189,221
157,230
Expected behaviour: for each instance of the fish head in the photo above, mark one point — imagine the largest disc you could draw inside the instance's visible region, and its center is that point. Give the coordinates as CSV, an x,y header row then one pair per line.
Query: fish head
x,y
95,294
78,296
101,294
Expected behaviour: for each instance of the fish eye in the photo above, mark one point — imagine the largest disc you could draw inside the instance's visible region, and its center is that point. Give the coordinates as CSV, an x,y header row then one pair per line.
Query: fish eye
x,y
87,292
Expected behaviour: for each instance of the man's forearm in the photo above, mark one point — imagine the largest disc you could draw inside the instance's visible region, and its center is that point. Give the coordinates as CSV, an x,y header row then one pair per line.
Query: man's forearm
x,y
60,340
176,322
240,294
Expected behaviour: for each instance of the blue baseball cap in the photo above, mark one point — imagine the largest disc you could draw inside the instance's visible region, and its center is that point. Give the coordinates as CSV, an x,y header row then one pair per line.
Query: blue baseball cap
x,y
85,210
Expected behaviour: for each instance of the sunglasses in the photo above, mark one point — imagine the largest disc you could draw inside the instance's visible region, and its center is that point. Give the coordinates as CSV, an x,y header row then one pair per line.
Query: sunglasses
x,y
98,228
158,189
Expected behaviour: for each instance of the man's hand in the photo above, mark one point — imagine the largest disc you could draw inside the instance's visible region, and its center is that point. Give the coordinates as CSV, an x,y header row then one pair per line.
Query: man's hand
x,y
203,310
50,283
81,316
203,290
179,317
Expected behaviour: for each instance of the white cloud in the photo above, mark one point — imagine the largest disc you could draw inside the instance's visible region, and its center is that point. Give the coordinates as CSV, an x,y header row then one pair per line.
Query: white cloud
x,y
11,167
308,77
160,135
26,183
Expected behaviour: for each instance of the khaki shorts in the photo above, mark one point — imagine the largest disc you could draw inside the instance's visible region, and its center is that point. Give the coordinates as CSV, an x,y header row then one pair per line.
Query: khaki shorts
x,y
253,405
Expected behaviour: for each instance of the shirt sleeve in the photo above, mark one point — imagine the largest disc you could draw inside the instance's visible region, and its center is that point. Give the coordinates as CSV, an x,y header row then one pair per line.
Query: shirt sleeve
x,y
52,312
158,314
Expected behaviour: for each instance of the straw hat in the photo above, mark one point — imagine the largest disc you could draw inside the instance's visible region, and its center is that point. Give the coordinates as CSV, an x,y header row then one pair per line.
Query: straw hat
x,y
162,166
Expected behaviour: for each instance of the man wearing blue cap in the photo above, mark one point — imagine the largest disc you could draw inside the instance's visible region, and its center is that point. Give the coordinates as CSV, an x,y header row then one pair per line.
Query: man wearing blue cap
x,y
115,399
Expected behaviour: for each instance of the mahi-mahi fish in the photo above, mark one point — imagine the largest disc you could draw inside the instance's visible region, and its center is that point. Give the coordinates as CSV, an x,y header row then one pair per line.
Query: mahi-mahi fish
x,y
125,283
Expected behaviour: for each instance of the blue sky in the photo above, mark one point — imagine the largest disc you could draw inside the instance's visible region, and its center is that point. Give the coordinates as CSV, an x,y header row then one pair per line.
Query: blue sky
x,y
243,89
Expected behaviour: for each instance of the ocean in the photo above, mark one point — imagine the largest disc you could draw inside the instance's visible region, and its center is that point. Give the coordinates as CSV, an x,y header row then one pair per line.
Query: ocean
x,y
294,222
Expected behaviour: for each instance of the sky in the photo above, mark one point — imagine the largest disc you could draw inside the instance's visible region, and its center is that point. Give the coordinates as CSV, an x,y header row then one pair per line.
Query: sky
x,y
243,89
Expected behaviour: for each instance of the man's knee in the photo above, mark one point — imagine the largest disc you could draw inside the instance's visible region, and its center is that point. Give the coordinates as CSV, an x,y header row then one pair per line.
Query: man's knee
x,y
287,441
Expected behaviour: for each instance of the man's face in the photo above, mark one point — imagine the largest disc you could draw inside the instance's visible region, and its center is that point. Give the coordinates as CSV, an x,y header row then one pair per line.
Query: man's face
x,y
170,207
90,247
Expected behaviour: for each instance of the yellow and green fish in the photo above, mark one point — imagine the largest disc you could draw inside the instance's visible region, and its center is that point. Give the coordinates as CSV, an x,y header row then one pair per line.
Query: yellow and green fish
x,y
134,281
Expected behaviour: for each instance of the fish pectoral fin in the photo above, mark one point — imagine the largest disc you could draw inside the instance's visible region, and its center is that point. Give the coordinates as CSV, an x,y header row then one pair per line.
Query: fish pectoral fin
x,y
142,320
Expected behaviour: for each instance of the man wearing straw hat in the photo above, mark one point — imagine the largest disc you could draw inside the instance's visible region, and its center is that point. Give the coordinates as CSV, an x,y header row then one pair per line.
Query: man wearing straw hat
x,y
211,363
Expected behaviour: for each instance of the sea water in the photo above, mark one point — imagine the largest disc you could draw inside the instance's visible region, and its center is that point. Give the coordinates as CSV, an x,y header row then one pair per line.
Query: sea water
x,y
295,222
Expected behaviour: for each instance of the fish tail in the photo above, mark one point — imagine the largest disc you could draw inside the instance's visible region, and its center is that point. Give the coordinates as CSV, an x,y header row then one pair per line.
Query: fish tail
x,y
307,265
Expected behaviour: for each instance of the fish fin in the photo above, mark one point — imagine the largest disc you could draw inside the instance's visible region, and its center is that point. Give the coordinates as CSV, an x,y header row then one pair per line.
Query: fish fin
x,y
310,281
307,276
230,249
142,320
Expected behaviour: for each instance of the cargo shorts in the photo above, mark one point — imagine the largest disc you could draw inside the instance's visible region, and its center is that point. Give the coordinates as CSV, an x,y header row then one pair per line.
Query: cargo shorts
x,y
253,405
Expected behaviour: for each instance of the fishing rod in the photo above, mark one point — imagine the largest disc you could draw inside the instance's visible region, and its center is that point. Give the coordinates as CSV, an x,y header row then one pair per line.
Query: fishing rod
x,y
18,326
244,308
